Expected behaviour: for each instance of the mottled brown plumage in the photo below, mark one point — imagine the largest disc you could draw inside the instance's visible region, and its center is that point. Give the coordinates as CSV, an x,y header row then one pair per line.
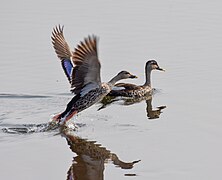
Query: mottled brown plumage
x,y
135,91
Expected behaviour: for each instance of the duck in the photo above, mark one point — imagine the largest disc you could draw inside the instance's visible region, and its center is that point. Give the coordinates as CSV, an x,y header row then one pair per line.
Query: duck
x,y
82,68
136,91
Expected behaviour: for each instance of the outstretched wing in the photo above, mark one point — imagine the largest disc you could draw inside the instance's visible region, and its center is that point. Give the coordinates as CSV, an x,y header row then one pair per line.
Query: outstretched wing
x,y
86,73
62,50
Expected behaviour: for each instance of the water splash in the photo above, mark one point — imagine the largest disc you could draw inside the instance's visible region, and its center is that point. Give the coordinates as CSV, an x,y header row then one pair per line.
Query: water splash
x,y
30,128
38,128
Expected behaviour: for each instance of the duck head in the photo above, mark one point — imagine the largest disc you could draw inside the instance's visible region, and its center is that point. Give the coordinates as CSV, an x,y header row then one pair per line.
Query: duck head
x,y
152,64
125,75
122,75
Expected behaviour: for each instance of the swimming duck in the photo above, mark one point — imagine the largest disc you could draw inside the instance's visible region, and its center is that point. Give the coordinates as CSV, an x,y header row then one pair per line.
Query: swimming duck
x,y
136,91
82,68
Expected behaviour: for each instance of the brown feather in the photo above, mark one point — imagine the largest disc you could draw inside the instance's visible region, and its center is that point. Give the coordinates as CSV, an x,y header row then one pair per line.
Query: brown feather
x,y
59,43
87,69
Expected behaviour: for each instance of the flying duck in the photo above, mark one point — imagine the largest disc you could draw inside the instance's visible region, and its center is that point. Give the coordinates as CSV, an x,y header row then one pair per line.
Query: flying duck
x,y
82,68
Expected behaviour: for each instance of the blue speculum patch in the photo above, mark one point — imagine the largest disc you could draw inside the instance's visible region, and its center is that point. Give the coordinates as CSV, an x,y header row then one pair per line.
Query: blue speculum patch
x,y
67,65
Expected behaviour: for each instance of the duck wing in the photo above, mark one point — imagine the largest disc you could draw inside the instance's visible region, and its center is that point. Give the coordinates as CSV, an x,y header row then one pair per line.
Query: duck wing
x,y
86,72
62,50
125,86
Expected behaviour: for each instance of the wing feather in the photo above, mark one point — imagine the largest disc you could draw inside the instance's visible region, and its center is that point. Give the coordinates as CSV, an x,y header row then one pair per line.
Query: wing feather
x,y
59,43
87,65
62,50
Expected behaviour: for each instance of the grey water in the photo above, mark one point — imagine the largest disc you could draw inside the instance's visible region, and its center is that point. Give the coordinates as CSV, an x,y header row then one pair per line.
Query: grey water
x,y
175,134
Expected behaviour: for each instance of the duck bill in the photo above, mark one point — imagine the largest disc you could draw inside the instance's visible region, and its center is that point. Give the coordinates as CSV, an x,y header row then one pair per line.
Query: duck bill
x,y
133,77
160,69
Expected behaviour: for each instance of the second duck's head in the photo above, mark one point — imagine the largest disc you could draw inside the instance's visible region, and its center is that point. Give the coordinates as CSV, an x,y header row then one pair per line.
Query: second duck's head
x,y
152,64
126,75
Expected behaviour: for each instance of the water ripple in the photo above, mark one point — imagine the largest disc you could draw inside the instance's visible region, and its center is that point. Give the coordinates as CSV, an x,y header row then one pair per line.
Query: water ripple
x,y
21,96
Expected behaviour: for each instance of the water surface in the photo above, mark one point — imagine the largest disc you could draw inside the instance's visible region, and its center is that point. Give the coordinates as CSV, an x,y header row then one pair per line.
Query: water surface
x,y
180,140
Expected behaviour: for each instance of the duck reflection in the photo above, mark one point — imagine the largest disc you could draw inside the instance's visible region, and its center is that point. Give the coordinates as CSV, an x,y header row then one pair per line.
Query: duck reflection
x,y
89,164
151,113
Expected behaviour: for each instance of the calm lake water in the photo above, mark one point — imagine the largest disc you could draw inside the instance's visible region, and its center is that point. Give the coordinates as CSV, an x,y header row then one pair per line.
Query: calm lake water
x,y
176,134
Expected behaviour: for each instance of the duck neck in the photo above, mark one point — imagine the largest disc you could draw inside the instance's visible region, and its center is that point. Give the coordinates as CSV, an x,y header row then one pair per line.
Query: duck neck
x,y
148,76
113,81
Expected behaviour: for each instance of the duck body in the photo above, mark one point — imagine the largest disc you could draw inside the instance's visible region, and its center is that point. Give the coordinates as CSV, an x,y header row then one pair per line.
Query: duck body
x,y
130,90
137,91
82,68
87,98
80,103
